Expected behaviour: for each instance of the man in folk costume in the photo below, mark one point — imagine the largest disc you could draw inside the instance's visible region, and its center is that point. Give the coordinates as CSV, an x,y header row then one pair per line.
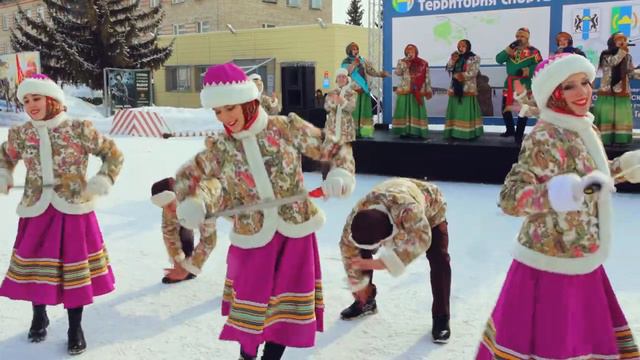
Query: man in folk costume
x,y
339,104
464,116
400,220
359,68
187,262
564,41
270,103
273,287
521,60
410,114
557,301
613,110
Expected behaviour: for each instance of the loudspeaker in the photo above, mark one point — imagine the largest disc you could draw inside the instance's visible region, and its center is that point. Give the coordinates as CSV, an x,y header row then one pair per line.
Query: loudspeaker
x,y
298,81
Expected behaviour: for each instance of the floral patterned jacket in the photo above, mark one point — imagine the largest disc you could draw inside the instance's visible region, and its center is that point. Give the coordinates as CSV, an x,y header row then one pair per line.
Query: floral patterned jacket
x,y
471,68
574,242
414,208
270,104
622,88
261,164
404,86
340,124
56,153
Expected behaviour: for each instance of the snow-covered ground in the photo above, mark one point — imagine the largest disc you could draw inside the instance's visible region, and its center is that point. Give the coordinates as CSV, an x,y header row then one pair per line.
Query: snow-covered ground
x,y
144,319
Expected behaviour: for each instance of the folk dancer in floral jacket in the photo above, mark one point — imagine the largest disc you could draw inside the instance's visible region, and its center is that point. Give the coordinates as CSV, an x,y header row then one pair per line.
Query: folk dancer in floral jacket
x,y
400,220
271,104
273,290
59,255
187,262
557,302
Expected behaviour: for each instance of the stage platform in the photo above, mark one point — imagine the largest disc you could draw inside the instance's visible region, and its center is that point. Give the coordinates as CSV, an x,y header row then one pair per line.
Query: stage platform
x,y
484,160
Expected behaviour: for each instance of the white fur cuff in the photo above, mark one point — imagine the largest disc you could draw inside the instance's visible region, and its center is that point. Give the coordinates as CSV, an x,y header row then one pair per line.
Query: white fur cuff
x,y
188,265
630,161
394,265
562,191
178,258
164,198
99,185
348,180
360,285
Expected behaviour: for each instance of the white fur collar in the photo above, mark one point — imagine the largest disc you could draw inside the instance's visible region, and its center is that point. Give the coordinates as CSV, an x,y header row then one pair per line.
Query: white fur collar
x,y
257,126
51,123
566,121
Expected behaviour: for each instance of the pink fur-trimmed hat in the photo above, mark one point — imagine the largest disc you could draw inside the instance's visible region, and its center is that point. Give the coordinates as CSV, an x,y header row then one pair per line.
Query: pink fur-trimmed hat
x,y
552,71
40,84
227,84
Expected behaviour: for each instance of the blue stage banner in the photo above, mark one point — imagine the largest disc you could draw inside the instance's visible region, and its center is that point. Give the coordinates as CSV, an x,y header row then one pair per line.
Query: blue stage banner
x,y
435,27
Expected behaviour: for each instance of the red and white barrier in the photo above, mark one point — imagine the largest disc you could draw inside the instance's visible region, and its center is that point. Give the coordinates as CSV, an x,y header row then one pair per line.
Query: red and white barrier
x,y
134,122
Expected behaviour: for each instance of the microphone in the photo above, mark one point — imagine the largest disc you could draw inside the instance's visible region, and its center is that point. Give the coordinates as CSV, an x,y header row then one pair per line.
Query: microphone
x,y
631,44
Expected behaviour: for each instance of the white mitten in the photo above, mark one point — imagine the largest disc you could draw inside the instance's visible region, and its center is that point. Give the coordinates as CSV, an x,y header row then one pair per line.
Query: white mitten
x,y
98,185
339,183
191,213
6,181
630,163
565,192
597,177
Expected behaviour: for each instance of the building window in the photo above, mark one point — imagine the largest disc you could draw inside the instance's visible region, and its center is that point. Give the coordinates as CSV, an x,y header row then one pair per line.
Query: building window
x,y
40,12
179,29
177,1
315,4
266,26
270,1
154,3
178,78
199,75
204,26
293,3
5,22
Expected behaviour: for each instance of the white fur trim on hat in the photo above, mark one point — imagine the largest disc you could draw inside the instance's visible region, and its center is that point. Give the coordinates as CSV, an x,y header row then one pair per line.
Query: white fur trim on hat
x,y
557,70
342,71
216,95
45,87
255,76
163,199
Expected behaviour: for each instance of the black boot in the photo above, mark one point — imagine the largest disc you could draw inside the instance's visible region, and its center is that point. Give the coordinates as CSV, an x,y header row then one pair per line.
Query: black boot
x,y
272,351
522,124
358,309
440,330
76,344
508,123
39,323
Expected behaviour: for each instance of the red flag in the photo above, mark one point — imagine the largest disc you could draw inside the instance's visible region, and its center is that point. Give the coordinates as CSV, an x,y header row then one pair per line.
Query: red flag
x,y
19,70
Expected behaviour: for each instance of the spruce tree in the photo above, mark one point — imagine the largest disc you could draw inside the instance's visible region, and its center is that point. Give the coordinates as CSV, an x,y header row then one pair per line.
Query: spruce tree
x,y
355,13
79,38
